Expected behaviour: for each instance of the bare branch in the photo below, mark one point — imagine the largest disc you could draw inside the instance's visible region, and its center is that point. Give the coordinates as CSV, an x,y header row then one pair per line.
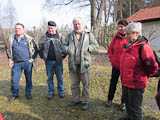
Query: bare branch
x,y
99,14
107,12
152,32
86,5
51,3
98,4
64,3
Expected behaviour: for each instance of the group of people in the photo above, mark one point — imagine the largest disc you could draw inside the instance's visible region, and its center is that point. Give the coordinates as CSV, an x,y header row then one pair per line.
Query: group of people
x,y
133,67
22,52
123,53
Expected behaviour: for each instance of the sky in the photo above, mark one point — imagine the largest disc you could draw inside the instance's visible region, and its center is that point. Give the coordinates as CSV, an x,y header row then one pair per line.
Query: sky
x,y
30,13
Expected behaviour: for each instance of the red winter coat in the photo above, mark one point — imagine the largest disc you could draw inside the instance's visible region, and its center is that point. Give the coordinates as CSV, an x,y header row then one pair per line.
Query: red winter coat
x,y
1,118
133,73
115,50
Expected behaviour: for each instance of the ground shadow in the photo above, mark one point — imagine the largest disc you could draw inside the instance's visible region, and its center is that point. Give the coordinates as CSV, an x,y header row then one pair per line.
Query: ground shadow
x,y
57,108
149,118
17,116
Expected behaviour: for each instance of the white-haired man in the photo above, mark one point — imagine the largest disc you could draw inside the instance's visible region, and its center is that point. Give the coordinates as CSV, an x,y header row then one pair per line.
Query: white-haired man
x,y
78,45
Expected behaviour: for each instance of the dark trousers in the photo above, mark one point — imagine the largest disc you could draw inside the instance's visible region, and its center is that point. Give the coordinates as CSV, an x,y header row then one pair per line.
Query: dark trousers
x,y
113,84
133,99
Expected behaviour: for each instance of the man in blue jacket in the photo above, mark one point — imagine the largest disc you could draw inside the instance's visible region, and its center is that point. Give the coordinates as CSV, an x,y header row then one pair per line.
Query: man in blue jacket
x,y
21,51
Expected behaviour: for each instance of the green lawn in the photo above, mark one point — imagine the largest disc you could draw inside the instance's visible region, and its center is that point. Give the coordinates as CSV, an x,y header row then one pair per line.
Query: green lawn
x,y
39,108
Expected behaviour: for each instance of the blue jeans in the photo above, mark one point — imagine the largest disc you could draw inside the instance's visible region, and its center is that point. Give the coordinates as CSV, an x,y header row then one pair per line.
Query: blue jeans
x,y
16,75
53,67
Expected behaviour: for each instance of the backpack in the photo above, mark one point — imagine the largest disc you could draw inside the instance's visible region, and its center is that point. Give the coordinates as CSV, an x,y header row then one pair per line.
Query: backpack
x,y
157,58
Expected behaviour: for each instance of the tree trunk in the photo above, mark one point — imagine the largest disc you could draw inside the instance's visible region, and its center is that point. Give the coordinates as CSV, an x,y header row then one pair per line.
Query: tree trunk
x,y
96,19
115,2
130,8
93,15
121,9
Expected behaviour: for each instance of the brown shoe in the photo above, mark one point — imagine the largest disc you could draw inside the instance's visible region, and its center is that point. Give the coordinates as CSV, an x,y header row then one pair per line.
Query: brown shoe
x,y
61,95
108,103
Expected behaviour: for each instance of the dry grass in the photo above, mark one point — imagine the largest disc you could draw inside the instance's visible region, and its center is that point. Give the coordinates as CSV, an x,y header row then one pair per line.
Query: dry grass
x,y
39,108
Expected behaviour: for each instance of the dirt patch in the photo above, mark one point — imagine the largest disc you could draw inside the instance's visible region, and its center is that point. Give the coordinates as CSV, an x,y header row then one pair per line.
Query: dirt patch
x,y
150,103
100,60
3,57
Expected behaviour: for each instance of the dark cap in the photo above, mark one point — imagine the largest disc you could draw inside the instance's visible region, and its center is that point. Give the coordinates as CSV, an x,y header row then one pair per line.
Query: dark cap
x,y
51,23
123,22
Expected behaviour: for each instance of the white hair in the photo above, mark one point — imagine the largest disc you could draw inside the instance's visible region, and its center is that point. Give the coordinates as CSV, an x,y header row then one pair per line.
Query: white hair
x,y
134,27
77,18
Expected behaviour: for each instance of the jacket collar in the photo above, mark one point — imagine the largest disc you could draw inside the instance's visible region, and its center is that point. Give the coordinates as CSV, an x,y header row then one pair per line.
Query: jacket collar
x,y
52,36
120,36
140,40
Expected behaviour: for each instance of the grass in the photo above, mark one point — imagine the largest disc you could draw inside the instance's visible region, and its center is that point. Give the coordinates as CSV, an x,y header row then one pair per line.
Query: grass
x,y
39,108
101,48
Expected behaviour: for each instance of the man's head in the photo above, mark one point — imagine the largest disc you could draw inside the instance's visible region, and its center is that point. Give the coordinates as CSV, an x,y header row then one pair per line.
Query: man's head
x,y
121,26
52,27
78,25
19,29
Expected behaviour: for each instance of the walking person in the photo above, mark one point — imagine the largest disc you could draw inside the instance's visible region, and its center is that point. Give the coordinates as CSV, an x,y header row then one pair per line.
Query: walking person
x,y
51,51
114,53
79,44
21,51
133,72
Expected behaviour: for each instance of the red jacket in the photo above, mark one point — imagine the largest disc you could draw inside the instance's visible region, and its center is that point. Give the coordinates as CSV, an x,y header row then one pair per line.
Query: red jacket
x,y
134,74
1,118
115,50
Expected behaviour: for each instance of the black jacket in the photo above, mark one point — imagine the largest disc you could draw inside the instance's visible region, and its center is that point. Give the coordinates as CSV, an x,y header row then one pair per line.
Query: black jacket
x,y
44,44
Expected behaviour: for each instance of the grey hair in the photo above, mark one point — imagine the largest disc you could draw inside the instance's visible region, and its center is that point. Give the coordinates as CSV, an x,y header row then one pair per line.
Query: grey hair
x,y
77,18
134,27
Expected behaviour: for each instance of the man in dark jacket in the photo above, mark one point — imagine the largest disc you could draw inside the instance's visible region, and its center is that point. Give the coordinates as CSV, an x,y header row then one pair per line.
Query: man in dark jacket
x,y
114,53
51,51
21,51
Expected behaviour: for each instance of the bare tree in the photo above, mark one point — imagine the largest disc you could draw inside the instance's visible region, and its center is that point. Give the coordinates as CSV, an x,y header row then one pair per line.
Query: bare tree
x,y
11,15
130,8
96,19
152,3
43,24
97,8
115,10
121,7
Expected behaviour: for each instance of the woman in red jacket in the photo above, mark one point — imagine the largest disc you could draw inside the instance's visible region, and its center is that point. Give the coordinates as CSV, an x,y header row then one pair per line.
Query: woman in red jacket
x,y
114,53
133,72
